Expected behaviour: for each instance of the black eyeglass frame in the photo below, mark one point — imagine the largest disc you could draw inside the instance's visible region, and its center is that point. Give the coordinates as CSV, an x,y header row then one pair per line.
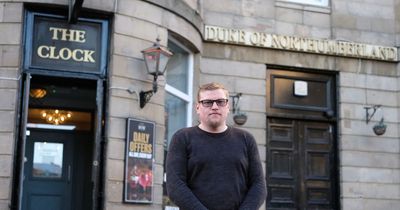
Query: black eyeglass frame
x,y
222,102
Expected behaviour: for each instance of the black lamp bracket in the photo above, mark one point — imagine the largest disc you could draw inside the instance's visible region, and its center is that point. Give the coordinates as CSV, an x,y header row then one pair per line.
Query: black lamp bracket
x,y
239,118
368,115
235,102
145,96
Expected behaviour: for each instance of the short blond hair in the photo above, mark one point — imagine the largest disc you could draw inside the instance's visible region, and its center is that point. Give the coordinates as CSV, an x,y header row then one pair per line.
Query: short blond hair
x,y
212,86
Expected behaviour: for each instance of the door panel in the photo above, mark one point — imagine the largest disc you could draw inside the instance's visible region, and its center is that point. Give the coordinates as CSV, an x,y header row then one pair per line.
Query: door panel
x,y
317,153
300,165
282,168
48,170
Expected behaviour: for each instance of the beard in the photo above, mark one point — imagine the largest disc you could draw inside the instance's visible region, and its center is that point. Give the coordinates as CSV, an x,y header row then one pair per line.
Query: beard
x,y
215,122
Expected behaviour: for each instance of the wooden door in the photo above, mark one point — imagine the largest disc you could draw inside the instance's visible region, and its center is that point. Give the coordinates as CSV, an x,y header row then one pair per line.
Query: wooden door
x,y
301,160
301,141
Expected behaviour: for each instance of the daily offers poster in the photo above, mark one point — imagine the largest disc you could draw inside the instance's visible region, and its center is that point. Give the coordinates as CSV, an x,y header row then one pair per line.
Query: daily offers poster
x,y
139,161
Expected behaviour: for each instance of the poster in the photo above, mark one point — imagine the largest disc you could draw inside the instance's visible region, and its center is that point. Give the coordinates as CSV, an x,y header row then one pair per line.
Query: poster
x,y
138,182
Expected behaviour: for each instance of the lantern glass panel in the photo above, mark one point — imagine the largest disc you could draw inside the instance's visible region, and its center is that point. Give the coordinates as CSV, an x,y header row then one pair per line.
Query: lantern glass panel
x,y
163,63
151,61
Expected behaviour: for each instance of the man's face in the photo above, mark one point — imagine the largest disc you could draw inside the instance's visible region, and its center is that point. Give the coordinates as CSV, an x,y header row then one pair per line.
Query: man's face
x,y
214,116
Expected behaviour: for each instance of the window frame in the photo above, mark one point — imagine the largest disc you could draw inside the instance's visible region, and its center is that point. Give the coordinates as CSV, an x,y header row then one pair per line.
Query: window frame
x,y
322,3
188,98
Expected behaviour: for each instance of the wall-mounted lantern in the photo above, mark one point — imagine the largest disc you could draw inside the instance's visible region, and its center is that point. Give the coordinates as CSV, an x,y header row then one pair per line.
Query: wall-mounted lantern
x,y
380,127
239,118
156,59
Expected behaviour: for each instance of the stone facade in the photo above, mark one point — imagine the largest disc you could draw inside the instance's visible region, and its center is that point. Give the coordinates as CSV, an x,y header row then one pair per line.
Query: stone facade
x,y
10,43
369,165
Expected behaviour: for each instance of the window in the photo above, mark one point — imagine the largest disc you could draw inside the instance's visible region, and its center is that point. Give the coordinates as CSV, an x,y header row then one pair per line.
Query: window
x,y
179,88
179,97
47,160
323,3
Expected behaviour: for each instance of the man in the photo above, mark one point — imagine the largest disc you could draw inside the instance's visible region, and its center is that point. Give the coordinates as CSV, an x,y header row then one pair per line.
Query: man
x,y
212,165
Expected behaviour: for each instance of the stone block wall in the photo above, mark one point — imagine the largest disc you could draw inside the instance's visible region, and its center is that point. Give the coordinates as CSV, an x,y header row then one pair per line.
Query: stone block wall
x,y
358,21
364,21
369,164
10,51
136,26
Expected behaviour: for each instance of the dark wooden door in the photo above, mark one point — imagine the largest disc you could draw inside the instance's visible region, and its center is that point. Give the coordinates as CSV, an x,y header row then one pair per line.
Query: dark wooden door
x,y
301,139
48,170
301,165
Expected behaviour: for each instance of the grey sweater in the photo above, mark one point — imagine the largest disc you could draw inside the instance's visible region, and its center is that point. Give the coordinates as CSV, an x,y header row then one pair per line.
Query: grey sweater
x,y
219,171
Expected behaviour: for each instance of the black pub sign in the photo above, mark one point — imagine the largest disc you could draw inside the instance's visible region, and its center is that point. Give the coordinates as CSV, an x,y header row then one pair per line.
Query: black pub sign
x,y
53,44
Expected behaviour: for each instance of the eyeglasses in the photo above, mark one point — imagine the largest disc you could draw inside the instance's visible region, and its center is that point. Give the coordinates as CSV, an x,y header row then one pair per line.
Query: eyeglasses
x,y
210,103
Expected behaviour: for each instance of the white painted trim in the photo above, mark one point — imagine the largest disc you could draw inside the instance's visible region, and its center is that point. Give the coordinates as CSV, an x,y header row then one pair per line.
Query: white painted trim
x,y
49,126
177,93
188,97
323,3
190,90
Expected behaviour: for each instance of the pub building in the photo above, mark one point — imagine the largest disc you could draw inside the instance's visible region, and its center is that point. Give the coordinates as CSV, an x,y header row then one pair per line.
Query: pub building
x,y
92,91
